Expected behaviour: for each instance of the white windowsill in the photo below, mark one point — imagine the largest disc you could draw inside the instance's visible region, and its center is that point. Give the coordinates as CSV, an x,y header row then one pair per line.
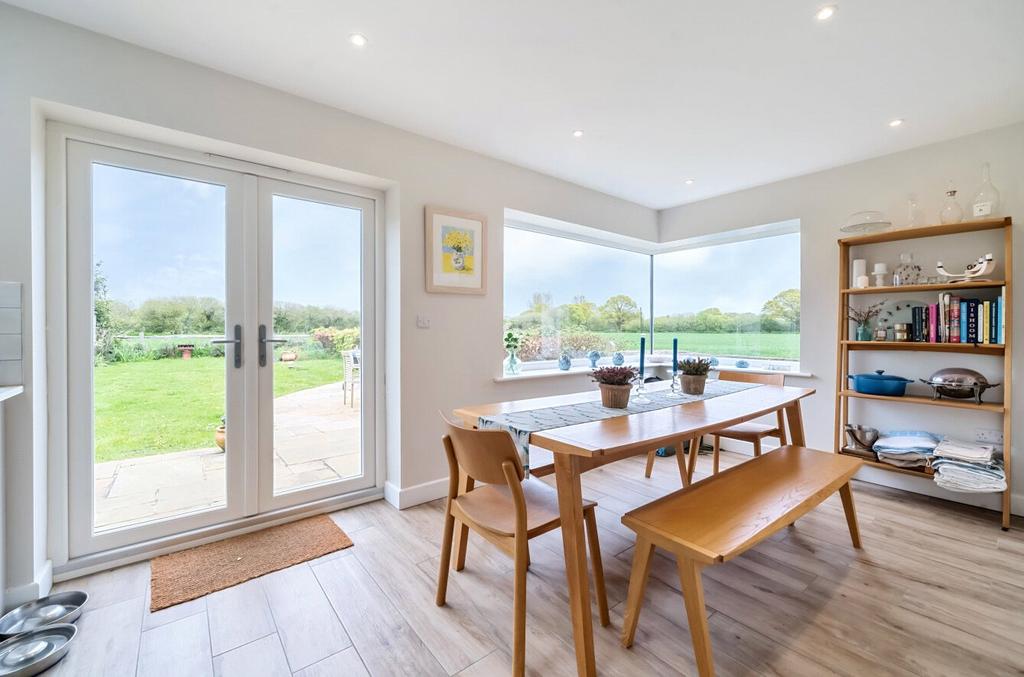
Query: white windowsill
x,y
7,392
554,373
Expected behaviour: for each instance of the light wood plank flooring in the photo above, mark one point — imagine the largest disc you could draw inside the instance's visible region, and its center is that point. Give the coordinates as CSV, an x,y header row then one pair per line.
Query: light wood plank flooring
x,y
937,590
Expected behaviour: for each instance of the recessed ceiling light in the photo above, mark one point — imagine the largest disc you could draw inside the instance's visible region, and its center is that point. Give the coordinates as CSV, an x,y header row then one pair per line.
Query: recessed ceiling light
x,y
896,123
825,13
358,39
688,182
577,133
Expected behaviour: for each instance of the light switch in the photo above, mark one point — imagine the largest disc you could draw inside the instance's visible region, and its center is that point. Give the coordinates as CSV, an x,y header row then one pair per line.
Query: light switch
x,y
422,322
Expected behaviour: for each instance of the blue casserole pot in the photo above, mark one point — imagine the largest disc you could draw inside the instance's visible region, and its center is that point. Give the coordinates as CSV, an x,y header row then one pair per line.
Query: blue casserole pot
x,y
879,383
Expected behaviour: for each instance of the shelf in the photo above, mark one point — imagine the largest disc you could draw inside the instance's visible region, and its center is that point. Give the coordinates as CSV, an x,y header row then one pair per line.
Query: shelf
x,y
886,466
926,231
952,286
963,348
992,407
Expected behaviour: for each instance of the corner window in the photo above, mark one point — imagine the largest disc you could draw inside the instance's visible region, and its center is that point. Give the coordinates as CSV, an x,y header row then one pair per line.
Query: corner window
x,y
738,301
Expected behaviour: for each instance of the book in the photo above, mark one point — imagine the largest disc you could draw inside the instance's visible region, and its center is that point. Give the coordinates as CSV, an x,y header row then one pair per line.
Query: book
x,y
984,321
954,319
1002,316
993,325
963,319
933,323
972,320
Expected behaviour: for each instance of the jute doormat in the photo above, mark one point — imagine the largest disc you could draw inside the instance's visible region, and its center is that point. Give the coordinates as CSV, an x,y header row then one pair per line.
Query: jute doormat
x,y
192,573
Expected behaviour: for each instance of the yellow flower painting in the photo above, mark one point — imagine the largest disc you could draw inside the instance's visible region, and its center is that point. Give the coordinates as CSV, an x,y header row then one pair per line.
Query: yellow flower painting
x,y
457,250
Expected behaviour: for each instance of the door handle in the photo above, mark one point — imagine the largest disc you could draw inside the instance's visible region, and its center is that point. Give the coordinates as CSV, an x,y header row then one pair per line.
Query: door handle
x,y
263,344
237,341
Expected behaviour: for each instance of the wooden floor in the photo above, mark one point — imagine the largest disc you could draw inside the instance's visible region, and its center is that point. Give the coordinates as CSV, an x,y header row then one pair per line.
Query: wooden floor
x,y
937,590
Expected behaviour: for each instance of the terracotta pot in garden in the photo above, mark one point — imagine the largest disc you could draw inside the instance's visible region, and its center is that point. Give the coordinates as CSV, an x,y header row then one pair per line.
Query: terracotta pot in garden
x,y
693,385
220,436
615,397
289,356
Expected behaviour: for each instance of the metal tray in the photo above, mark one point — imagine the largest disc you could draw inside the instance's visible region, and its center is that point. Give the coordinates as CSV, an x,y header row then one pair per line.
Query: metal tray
x,y
32,652
60,607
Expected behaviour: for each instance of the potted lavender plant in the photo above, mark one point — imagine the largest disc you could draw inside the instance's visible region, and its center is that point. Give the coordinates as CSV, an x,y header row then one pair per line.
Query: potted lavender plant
x,y
615,384
693,374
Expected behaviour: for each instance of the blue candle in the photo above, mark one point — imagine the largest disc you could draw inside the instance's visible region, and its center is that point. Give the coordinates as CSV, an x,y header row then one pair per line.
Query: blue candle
x,y
675,355
643,341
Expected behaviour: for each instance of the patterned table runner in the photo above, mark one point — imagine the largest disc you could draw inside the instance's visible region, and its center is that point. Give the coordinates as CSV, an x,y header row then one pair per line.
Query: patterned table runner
x,y
522,423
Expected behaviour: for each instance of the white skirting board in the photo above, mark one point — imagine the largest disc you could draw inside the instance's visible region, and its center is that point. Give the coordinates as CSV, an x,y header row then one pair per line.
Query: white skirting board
x,y
416,494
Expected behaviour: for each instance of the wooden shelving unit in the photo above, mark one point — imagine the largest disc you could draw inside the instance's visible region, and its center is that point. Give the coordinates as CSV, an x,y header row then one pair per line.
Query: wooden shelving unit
x,y
845,345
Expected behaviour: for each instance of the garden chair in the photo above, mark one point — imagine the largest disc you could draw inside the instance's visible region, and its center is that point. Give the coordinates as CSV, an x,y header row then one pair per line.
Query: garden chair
x,y
350,359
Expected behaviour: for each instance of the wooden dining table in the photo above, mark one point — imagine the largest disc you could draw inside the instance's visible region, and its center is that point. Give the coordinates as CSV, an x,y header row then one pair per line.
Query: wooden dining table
x,y
585,446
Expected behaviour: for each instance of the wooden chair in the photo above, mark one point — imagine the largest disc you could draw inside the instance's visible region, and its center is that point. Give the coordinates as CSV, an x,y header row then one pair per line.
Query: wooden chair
x,y
507,510
745,432
722,517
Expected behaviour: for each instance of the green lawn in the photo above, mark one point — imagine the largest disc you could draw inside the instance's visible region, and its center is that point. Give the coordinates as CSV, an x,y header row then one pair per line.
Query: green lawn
x,y
158,406
785,346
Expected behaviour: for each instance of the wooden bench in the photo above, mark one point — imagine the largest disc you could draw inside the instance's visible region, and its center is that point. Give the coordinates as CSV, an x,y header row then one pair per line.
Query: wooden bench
x,y
725,515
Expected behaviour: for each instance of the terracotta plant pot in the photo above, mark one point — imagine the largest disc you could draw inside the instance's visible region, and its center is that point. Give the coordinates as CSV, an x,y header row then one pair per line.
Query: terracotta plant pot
x,y
693,385
615,397
289,356
219,436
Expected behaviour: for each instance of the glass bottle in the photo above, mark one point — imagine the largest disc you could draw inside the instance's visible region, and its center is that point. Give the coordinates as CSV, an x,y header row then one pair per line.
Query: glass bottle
x,y
908,271
913,213
951,212
986,201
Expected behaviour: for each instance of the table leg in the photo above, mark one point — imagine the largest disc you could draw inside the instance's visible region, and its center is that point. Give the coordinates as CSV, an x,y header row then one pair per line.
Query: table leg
x,y
796,424
684,475
570,508
694,453
851,514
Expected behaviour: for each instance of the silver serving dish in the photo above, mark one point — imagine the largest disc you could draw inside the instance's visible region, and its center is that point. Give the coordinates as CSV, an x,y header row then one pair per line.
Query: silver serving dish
x,y
861,437
60,607
958,383
35,651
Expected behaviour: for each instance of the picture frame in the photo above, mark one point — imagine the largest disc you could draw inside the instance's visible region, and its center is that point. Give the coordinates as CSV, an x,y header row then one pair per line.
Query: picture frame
x,y
455,244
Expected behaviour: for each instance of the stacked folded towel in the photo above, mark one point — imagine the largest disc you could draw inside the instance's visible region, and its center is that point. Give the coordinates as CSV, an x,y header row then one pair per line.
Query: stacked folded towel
x,y
968,467
906,448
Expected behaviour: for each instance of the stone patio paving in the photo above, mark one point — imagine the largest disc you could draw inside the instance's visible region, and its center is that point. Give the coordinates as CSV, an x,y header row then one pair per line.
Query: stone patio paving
x,y
316,440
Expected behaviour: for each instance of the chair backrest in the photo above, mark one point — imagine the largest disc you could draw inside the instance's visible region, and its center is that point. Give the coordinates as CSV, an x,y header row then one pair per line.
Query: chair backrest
x,y
753,377
482,454
348,358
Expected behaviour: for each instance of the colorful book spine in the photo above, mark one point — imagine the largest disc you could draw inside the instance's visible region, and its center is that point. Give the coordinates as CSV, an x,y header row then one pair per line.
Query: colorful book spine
x,y
1002,316
972,320
993,325
963,321
954,320
933,323
985,321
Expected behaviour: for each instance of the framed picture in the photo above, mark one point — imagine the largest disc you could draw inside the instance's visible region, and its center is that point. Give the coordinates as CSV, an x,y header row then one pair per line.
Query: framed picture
x,y
456,249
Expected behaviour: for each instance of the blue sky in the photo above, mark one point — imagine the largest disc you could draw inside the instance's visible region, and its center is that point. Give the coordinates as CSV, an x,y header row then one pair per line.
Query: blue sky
x,y
160,236
737,277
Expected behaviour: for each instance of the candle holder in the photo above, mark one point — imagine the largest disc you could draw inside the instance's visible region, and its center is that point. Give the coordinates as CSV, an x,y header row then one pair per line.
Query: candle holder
x,y
640,395
676,389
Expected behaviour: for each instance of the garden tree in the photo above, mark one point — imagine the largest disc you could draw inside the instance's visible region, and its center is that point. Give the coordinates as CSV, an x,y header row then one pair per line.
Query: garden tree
x,y
580,313
540,303
102,312
618,310
783,310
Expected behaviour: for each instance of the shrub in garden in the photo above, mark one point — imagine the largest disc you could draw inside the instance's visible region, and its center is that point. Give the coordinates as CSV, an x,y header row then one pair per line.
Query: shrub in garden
x,y
334,341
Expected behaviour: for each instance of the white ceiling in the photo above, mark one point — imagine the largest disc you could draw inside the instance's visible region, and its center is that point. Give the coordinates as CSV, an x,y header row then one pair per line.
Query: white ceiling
x,y
733,94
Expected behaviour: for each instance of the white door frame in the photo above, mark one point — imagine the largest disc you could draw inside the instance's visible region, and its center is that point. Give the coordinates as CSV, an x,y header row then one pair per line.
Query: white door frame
x,y
268,188
81,158
58,136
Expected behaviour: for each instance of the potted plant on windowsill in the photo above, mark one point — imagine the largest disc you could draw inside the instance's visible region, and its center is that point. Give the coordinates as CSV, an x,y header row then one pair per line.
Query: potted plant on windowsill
x,y
511,360
615,384
693,374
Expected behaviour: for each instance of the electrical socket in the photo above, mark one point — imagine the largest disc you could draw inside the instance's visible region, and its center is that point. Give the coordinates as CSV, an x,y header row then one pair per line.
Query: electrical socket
x,y
988,436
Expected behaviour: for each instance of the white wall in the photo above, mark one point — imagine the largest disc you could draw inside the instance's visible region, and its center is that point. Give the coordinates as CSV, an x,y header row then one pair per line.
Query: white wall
x,y
822,201
450,364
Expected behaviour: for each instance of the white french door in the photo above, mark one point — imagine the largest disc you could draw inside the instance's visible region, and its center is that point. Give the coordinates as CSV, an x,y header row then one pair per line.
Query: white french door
x,y
220,333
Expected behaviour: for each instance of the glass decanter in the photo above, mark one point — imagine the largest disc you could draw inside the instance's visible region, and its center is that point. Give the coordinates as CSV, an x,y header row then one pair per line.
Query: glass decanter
x,y
986,201
908,271
951,212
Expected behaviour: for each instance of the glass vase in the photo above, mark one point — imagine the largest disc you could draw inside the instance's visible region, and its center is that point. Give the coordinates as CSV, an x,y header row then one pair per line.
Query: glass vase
x,y
951,212
864,332
511,364
986,201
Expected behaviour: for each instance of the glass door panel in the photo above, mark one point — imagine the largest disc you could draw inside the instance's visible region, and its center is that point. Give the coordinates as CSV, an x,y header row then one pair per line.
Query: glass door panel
x,y
314,340
150,299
